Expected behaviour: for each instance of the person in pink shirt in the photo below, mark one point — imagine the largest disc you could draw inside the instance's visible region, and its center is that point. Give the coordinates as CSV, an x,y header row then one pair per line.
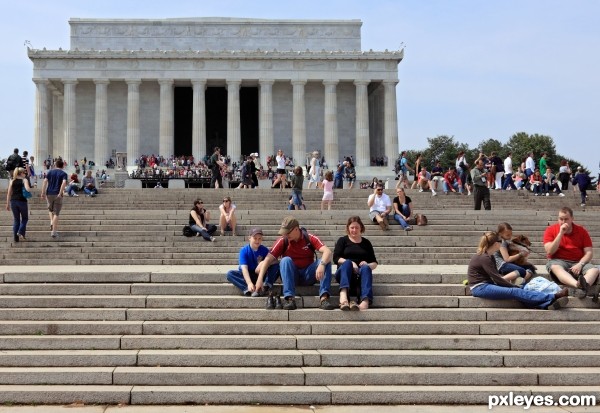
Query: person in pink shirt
x,y
327,190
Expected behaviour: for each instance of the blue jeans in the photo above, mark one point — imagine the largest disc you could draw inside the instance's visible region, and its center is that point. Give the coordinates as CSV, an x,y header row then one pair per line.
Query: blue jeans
x,y
531,299
206,233
538,189
296,197
71,189
21,216
405,209
90,191
292,276
347,278
236,277
508,181
509,267
455,185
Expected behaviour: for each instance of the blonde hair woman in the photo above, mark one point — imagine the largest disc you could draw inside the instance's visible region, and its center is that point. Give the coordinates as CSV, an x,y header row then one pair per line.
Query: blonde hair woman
x,y
486,282
17,203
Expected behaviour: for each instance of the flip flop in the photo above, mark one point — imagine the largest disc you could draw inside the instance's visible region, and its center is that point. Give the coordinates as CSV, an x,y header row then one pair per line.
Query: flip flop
x,y
354,306
344,306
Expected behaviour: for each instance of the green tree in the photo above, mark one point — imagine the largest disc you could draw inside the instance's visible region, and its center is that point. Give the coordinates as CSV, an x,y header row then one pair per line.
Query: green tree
x,y
520,144
491,145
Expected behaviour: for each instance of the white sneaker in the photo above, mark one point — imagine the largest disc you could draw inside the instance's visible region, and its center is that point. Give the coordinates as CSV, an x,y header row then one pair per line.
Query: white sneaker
x,y
212,239
582,205
76,195
433,193
561,194
547,194
420,189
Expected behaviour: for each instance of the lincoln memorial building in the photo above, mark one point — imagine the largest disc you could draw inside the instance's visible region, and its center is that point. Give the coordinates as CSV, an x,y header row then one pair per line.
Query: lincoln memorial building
x,y
182,86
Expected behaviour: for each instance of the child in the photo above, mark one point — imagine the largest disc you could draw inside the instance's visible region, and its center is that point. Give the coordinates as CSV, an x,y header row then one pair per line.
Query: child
x,y
505,262
297,183
250,260
327,190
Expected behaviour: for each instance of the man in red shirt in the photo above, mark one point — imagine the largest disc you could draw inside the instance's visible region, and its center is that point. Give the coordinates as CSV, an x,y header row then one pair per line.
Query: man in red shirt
x,y
569,250
298,264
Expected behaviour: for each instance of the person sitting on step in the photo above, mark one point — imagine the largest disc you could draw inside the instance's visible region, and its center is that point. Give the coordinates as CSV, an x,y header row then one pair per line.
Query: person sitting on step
x,y
89,184
251,258
355,259
486,282
297,249
380,207
227,220
198,221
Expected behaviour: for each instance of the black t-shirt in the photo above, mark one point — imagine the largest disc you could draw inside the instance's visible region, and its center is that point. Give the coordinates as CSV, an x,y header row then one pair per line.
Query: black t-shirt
x,y
363,251
406,202
17,190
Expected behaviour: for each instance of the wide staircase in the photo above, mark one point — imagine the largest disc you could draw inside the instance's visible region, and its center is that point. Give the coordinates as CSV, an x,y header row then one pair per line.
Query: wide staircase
x,y
122,309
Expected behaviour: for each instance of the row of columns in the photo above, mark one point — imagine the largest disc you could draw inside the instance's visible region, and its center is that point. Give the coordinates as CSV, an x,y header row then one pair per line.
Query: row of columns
x,y
102,152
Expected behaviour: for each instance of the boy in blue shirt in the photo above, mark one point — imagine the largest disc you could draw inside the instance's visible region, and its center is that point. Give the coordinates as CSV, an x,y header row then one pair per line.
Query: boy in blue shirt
x,y
251,258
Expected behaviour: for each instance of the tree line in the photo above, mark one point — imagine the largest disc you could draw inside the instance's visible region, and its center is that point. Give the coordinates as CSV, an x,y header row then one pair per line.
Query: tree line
x,y
445,148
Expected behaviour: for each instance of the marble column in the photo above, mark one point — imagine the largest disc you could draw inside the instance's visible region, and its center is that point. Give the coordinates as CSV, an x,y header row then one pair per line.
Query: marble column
x,y
166,146
299,123
58,147
390,120
41,133
70,122
266,143
331,150
199,120
234,142
101,150
133,120
363,152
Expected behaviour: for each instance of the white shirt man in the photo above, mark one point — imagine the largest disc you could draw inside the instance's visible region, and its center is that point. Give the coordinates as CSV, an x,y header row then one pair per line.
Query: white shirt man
x,y
380,206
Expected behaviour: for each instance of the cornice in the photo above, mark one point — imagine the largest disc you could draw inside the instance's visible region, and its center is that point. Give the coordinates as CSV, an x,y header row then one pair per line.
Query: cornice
x,y
396,55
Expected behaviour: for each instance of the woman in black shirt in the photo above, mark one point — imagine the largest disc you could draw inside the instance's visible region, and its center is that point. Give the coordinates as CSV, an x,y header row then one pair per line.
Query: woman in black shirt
x,y
16,202
355,259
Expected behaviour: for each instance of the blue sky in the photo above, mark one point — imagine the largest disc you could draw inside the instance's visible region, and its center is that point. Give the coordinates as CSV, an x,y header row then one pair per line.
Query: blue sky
x,y
472,69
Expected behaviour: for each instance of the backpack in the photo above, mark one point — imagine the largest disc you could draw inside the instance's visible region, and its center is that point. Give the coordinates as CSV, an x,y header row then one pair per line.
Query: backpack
x,y
187,231
13,162
304,232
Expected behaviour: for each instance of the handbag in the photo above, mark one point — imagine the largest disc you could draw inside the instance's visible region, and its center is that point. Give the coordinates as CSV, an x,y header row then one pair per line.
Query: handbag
x,y
187,231
26,193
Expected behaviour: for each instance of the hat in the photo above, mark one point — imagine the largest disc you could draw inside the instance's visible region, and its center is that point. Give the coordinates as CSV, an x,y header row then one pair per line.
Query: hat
x,y
579,167
288,224
255,231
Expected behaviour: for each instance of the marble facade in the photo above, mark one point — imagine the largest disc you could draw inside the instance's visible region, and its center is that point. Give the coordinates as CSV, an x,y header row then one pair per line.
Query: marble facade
x,y
115,89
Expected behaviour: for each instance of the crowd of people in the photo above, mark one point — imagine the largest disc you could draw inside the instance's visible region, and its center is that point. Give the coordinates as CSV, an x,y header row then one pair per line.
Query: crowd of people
x,y
498,270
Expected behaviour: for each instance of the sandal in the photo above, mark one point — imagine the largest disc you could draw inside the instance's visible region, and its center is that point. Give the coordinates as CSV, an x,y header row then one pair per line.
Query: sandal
x,y
583,284
344,306
354,306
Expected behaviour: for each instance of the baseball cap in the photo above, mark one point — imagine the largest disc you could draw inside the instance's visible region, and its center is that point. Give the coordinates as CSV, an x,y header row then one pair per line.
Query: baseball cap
x,y
255,231
288,224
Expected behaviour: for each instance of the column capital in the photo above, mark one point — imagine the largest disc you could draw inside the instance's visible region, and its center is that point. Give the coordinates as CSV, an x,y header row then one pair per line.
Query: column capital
x,y
133,81
298,82
69,81
101,81
362,82
391,82
166,82
41,81
199,83
331,82
233,83
266,82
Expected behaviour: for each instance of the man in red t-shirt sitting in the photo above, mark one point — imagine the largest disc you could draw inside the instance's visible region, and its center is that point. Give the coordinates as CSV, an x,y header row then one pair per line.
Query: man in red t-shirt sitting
x,y
298,264
569,250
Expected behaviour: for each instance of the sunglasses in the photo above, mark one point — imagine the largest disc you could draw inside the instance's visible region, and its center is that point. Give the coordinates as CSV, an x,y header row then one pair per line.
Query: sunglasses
x,y
226,200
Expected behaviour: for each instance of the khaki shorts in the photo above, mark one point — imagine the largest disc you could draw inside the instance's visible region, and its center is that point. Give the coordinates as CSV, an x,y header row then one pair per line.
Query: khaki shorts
x,y
54,204
566,265
374,214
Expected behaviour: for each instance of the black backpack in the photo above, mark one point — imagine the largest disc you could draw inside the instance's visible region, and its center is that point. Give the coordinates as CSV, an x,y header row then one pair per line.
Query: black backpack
x,y
304,232
13,162
187,231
